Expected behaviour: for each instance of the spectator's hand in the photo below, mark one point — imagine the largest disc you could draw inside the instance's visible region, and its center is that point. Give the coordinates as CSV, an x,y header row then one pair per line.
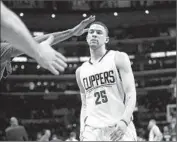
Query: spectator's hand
x,y
80,28
50,59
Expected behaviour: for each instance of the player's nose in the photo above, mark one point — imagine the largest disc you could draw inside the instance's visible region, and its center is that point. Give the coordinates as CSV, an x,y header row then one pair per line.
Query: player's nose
x,y
94,35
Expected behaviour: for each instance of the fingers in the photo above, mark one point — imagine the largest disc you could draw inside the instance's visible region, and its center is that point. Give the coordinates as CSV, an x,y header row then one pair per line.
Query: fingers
x,y
113,136
53,70
89,20
59,55
92,18
117,135
58,67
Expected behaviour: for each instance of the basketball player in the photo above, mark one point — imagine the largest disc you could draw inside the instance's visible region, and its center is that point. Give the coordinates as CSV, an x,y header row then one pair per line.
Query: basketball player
x,y
8,51
107,91
155,134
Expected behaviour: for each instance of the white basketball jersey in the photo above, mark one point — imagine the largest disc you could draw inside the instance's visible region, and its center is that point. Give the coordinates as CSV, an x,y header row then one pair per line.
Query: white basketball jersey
x,y
103,90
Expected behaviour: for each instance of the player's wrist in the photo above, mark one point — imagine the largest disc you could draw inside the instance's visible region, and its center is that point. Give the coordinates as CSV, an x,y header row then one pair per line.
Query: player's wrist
x,y
38,52
124,121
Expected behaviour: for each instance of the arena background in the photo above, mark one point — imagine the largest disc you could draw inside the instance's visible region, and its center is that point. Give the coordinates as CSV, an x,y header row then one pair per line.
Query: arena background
x,y
145,30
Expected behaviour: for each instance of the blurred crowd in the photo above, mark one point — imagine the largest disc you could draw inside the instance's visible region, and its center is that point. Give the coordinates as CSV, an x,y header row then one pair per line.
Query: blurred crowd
x,y
54,123
52,131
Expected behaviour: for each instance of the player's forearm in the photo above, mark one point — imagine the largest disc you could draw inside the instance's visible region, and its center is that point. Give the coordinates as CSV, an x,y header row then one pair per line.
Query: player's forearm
x,y
130,106
16,33
58,36
82,118
61,36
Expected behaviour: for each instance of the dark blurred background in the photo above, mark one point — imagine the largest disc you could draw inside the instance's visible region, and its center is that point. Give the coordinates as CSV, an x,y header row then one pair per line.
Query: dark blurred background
x,y
144,29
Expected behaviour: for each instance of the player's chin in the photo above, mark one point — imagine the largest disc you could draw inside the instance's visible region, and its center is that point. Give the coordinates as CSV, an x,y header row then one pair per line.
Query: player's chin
x,y
94,45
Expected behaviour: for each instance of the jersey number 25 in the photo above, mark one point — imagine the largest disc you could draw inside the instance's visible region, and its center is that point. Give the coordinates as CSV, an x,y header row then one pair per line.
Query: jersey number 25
x,y
100,97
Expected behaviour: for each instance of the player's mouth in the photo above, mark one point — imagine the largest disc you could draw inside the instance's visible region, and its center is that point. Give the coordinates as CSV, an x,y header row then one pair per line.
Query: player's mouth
x,y
94,40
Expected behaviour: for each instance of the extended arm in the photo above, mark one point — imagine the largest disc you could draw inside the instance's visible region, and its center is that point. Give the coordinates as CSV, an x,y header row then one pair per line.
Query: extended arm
x,y
83,99
58,36
15,32
128,84
78,30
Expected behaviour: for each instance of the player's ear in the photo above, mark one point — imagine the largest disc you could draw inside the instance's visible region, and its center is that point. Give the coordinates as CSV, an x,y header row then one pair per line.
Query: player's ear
x,y
107,39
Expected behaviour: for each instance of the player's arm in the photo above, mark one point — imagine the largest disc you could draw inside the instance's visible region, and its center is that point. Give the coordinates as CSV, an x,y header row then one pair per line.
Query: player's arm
x,y
78,30
8,51
83,99
124,66
13,30
58,36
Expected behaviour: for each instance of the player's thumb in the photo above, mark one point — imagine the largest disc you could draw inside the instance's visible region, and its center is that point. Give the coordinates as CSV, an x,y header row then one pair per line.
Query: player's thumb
x,y
50,40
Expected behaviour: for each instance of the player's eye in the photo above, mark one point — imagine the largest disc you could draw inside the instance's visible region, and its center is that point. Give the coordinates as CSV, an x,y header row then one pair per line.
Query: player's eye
x,y
99,32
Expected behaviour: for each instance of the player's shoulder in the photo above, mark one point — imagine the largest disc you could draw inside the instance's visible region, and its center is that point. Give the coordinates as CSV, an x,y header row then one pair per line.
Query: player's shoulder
x,y
80,67
122,61
121,58
121,55
77,72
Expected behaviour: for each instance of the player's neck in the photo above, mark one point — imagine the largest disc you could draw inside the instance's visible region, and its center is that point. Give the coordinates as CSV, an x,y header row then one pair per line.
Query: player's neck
x,y
97,53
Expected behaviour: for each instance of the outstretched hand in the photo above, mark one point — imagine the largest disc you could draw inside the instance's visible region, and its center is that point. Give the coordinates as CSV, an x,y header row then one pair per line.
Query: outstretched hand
x,y
50,59
80,28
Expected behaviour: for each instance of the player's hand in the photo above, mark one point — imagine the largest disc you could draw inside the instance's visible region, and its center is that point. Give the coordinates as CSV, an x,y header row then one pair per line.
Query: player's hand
x,y
50,59
80,28
81,136
119,132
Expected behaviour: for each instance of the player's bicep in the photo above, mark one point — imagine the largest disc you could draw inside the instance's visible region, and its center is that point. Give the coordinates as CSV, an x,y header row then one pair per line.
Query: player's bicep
x,y
124,66
128,81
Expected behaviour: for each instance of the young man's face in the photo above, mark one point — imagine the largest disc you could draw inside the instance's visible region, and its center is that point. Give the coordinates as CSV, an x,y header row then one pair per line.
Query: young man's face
x,y
97,36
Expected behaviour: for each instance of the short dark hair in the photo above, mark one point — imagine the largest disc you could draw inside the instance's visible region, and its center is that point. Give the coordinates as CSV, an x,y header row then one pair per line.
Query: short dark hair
x,y
102,24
